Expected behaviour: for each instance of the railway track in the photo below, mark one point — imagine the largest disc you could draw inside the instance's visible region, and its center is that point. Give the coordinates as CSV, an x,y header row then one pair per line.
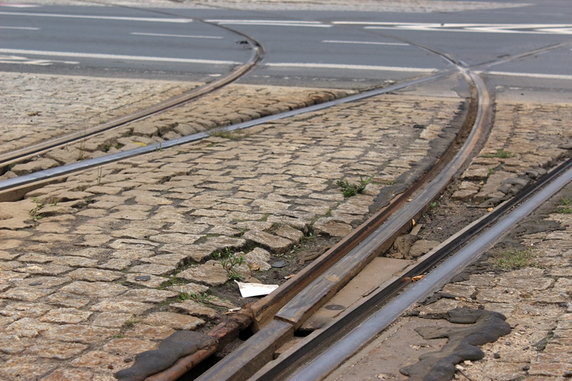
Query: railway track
x,y
261,348
278,317
282,314
19,155
326,348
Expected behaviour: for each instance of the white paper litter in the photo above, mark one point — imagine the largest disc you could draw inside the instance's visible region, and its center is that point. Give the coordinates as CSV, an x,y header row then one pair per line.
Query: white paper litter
x,y
255,289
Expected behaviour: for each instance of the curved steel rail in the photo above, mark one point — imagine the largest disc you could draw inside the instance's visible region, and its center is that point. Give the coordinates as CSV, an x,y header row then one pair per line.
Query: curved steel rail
x,y
25,183
337,266
327,348
281,324
256,57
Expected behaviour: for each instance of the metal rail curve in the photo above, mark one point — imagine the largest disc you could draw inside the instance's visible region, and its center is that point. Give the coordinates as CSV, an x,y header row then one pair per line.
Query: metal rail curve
x,y
304,294
322,351
256,57
280,327
12,189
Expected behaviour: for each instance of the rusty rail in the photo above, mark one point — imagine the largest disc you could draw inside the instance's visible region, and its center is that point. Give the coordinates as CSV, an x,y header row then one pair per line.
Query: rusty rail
x,y
321,352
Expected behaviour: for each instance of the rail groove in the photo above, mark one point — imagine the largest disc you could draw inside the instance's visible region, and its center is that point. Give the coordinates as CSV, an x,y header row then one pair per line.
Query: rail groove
x,y
277,317
321,352
257,55
288,307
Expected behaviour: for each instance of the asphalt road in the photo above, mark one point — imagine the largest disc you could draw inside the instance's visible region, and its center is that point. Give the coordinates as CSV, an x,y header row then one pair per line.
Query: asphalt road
x,y
344,49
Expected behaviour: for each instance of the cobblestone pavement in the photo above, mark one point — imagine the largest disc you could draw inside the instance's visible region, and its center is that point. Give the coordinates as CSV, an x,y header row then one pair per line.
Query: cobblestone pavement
x,y
237,103
526,277
36,107
97,269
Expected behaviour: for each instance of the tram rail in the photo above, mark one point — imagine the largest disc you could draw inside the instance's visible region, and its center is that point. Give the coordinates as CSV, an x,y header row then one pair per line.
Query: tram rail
x,y
325,349
279,315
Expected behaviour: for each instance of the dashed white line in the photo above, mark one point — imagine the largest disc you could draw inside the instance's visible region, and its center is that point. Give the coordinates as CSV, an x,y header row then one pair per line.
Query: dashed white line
x,y
116,57
470,28
353,67
365,42
529,75
118,18
451,25
19,28
309,24
19,5
27,61
176,35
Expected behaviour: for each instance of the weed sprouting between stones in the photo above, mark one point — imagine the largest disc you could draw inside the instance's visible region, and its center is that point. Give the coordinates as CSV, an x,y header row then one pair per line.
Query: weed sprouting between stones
x,y
226,135
500,154
201,297
35,212
230,261
565,206
513,259
351,189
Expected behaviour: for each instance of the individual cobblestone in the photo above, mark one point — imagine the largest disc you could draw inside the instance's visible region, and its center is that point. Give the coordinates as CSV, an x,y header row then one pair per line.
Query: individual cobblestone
x,y
124,261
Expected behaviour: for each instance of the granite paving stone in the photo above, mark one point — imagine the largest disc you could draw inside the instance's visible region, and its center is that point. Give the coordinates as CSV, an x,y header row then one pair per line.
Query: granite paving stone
x,y
116,259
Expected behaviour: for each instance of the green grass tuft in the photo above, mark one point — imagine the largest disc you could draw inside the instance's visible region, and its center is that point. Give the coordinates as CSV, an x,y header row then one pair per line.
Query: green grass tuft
x,y
512,259
501,154
565,206
351,189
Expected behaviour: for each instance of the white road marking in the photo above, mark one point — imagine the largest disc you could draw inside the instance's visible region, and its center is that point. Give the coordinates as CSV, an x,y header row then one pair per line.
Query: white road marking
x,y
310,24
19,5
119,18
176,35
475,29
451,25
471,28
529,75
116,57
27,61
352,67
19,28
365,43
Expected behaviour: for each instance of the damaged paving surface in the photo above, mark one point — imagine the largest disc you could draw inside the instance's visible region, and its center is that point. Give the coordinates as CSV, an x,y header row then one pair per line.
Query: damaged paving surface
x,y
526,277
106,264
